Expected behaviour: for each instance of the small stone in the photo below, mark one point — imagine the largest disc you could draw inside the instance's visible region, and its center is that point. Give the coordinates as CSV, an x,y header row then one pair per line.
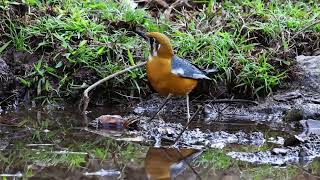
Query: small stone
x,y
280,150
311,111
293,115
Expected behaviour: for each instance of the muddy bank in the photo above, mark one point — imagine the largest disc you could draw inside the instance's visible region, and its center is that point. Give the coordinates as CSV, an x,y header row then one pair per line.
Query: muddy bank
x,y
290,118
56,143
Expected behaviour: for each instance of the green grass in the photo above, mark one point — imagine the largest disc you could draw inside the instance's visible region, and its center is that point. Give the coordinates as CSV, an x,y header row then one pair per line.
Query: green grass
x,y
268,171
243,39
217,159
78,155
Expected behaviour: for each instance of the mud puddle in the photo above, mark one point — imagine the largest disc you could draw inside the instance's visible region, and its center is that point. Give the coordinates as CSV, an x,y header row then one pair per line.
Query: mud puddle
x,y
58,143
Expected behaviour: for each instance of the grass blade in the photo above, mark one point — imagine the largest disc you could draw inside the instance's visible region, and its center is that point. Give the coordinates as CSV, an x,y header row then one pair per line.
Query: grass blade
x,y
2,48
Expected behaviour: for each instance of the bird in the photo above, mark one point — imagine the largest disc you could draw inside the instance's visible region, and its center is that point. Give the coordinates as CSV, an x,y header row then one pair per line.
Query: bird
x,y
167,73
168,163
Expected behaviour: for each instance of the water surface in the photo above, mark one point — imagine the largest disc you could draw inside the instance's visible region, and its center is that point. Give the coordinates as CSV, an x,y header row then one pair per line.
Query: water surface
x,y
53,143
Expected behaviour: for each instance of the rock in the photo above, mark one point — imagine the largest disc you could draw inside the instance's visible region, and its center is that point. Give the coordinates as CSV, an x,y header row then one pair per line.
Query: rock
x,y
301,153
280,151
4,71
4,143
287,96
310,71
6,79
311,111
8,85
304,111
22,57
108,121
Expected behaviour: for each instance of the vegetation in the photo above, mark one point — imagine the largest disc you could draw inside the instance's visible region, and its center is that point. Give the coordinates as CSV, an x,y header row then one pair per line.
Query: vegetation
x,y
74,43
217,160
27,159
56,48
268,171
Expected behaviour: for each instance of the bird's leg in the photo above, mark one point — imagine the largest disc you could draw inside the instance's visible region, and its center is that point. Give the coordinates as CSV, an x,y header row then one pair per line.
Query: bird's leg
x,y
188,110
162,105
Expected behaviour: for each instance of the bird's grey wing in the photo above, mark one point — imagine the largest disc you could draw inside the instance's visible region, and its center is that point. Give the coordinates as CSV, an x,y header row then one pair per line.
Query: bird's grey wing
x,y
184,68
180,166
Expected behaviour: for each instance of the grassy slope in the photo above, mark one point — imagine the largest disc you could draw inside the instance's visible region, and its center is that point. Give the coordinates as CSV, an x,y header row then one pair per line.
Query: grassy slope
x,y
77,42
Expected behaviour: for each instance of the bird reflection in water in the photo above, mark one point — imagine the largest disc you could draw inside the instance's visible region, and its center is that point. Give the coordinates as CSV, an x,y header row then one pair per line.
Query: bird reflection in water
x,y
168,163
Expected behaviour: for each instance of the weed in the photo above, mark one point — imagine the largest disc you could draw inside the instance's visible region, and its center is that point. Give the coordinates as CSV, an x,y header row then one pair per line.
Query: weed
x,y
217,158
101,153
259,76
72,38
72,160
315,166
267,171
18,36
3,47
129,152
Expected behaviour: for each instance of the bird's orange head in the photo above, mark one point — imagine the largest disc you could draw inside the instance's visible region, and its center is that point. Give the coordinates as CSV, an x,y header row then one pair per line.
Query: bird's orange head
x,y
161,45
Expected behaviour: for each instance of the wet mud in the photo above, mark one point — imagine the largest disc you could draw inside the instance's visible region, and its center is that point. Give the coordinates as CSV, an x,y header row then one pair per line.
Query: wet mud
x,y
235,139
56,143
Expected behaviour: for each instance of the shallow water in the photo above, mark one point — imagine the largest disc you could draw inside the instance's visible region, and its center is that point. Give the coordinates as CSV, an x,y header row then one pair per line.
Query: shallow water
x,y
54,143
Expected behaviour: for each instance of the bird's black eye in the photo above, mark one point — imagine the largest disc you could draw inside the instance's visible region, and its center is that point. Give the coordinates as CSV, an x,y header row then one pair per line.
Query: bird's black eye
x,y
152,41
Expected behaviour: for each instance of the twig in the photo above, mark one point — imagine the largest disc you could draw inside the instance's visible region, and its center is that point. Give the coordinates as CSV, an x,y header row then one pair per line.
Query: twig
x,y
8,98
162,3
33,145
9,125
224,108
183,158
234,101
18,174
162,105
307,172
187,125
305,28
85,99
189,165
69,152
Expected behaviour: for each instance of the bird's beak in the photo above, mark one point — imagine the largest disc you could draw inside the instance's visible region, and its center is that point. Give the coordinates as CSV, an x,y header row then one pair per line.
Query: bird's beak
x,y
151,40
142,34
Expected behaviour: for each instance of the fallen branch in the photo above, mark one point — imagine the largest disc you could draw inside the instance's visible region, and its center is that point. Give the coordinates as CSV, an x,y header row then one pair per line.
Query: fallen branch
x,y
234,101
161,107
85,99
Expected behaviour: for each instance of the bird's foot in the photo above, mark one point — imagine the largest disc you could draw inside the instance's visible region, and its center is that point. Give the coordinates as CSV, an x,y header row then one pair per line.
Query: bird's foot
x,y
188,117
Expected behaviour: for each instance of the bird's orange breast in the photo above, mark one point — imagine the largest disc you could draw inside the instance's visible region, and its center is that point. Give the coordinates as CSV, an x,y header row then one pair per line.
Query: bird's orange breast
x,y
163,81
159,160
